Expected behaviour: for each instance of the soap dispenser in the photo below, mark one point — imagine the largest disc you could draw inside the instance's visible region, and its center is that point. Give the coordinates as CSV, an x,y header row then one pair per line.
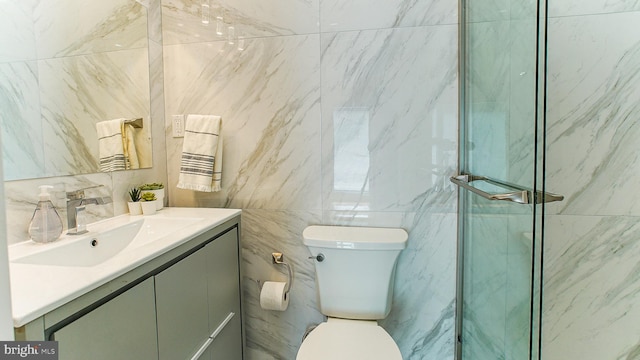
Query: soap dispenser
x,y
45,225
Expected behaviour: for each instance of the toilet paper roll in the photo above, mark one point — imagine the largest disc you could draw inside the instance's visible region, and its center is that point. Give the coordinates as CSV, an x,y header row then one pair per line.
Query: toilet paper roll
x,y
273,296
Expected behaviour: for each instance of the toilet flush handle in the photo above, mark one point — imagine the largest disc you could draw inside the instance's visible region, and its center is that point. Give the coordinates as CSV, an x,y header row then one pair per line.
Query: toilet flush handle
x,y
319,257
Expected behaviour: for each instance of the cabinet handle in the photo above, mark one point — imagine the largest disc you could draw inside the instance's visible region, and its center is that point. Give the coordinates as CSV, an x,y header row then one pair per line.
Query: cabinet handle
x,y
220,327
212,337
202,349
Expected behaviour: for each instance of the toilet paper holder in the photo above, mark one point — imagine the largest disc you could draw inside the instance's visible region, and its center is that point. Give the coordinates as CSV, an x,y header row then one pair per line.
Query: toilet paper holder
x,y
278,259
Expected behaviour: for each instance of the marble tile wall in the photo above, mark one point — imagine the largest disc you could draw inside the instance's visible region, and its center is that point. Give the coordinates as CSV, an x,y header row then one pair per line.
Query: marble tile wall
x,y
22,195
333,113
591,276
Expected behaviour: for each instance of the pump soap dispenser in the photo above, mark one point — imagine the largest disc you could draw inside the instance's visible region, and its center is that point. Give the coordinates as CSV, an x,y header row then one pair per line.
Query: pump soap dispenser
x,y
45,225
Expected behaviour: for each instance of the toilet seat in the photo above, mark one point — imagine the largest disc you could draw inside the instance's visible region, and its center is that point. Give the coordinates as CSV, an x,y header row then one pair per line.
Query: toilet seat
x,y
340,339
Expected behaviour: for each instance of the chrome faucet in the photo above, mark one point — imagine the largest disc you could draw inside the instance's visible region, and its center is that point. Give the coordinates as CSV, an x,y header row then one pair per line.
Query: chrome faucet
x,y
76,202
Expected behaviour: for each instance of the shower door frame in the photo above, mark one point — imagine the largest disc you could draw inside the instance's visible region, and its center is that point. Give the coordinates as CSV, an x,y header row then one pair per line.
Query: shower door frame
x,y
538,184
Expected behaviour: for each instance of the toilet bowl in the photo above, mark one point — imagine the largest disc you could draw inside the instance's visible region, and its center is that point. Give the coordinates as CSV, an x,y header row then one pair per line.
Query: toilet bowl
x,y
355,272
341,339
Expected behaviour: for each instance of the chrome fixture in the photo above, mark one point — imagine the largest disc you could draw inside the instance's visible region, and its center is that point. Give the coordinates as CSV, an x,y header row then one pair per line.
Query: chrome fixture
x,y
137,123
278,259
318,258
521,195
76,207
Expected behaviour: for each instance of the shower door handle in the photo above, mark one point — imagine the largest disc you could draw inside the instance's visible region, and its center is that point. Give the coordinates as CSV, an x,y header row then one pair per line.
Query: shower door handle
x,y
518,194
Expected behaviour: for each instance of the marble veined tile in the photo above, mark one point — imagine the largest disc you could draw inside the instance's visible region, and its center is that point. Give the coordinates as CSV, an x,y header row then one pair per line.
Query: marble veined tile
x,y
338,15
274,334
522,101
72,27
17,34
389,117
592,122
590,7
487,11
422,317
188,21
77,92
485,285
22,198
501,68
20,122
591,287
268,96
499,10
154,20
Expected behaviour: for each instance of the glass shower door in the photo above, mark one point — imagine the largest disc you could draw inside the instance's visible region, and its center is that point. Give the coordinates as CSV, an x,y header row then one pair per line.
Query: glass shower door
x,y
501,178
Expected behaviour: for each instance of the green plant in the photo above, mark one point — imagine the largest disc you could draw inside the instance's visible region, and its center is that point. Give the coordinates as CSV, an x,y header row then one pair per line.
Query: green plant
x,y
152,186
134,194
148,196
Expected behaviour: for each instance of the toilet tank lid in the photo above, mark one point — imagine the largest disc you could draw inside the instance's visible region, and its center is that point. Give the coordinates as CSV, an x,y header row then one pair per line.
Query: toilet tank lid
x,y
350,237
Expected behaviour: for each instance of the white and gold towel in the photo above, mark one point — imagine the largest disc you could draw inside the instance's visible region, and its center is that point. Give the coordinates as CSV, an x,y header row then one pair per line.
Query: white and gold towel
x,y
116,145
201,165
129,145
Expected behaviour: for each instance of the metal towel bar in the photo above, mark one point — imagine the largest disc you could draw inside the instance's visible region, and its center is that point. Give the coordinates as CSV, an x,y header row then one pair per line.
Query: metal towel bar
x,y
136,123
519,194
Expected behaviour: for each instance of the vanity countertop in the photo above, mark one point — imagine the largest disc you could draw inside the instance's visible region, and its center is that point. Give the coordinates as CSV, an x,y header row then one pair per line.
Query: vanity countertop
x,y
37,289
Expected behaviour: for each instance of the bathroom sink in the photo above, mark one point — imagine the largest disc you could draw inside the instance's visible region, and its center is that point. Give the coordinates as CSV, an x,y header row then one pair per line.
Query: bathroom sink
x,y
156,227
88,250
105,241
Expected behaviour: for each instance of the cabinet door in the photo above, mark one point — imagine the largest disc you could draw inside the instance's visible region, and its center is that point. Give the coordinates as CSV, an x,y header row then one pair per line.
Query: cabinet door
x,y
224,296
181,302
123,328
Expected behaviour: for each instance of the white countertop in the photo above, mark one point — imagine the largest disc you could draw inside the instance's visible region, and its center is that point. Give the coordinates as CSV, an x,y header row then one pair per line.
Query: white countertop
x,y
39,289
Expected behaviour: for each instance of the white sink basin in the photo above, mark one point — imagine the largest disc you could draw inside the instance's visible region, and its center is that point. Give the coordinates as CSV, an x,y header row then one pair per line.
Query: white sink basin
x,y
156,227
87,250
100,245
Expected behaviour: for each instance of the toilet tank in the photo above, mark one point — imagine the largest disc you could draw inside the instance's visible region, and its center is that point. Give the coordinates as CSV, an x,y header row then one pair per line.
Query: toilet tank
x,y
355,279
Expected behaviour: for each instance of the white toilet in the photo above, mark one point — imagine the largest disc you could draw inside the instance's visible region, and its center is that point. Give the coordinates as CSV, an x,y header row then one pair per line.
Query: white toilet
x,y
355,271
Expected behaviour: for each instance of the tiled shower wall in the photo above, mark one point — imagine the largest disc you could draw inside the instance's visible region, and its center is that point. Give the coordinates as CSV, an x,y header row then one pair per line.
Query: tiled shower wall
x,y
592,276
333,113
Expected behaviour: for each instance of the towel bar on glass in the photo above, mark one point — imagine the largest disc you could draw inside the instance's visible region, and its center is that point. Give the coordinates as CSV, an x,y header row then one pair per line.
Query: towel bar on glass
x,y
519,194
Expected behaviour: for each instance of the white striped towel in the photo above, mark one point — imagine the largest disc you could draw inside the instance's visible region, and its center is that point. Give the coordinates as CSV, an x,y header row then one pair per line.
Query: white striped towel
x,y
201,166
111,149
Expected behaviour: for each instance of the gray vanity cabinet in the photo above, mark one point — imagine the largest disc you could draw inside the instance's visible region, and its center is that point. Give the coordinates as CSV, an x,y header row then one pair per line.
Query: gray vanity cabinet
x,y
181,304
123,328
198,304
224,298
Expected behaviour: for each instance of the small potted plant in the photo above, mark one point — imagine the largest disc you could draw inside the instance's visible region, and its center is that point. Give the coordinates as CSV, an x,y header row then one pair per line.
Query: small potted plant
x,y
158,190
148,203
134,204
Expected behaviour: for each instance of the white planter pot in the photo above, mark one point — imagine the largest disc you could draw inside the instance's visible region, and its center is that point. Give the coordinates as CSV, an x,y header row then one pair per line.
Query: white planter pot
x,y
134,208
159,197
148,207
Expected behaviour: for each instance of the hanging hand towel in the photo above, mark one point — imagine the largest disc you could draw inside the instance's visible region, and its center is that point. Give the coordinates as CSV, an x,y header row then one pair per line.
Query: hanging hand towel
x,y
201,167
129,145
110,145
